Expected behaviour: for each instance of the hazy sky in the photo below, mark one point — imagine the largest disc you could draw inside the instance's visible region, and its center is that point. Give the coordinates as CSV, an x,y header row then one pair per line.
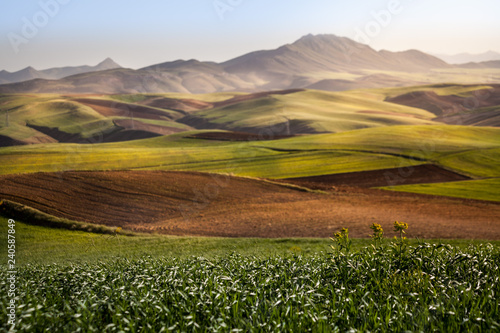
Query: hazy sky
x,y
54,33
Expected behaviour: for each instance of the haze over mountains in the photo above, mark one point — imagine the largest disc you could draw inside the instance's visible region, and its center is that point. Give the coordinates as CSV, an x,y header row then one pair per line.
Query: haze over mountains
x,y
325,62
463,58
29,73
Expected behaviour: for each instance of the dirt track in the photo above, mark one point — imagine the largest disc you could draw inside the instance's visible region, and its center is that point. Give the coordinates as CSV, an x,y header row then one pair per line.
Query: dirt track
x,y
179,203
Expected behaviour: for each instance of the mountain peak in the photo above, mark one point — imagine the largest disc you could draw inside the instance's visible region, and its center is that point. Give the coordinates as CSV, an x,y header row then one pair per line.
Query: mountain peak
x,y
319,36
107,63
29,71
308,36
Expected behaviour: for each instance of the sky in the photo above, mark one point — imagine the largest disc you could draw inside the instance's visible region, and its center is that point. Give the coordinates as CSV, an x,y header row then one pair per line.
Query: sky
x,y
56,33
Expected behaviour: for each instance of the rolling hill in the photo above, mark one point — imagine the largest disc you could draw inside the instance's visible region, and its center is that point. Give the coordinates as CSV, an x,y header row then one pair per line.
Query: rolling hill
x,y
479,107
45,118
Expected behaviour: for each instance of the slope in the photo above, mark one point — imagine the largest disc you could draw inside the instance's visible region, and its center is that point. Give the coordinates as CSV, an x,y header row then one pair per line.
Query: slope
x,y
305,112
470,105
53,118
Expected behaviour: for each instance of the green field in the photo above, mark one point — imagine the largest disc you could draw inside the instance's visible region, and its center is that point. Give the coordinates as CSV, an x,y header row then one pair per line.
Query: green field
x,y
68,280
471,189
37,244
41,245
472,151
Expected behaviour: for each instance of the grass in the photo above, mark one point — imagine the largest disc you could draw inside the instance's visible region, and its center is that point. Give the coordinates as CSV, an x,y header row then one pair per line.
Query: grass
x,y
423,287
61,114
35,217
483,163
486,189
37,244
421,141
44,245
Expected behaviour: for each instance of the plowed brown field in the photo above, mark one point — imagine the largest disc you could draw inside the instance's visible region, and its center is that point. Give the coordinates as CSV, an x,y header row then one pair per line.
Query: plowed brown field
x,y
181,203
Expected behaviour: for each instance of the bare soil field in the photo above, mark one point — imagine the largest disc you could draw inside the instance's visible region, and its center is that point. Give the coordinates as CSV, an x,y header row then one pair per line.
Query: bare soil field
x,y
187,203
419,174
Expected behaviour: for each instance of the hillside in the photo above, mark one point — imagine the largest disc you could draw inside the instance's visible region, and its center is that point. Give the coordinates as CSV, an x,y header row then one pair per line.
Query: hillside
x,y
31,119
478,106
305,112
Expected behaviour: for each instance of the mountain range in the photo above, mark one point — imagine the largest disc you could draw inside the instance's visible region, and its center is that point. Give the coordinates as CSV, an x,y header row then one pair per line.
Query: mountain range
x,y
463,58
325,62
29,73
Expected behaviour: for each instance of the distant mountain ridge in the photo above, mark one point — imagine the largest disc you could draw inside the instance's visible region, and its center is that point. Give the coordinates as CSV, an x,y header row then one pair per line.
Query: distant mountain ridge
x,y
29,73
463,58
326,62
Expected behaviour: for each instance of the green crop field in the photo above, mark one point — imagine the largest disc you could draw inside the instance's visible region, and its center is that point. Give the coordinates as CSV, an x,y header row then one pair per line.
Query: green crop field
x,y
99,284
425,143
486,189
367,292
